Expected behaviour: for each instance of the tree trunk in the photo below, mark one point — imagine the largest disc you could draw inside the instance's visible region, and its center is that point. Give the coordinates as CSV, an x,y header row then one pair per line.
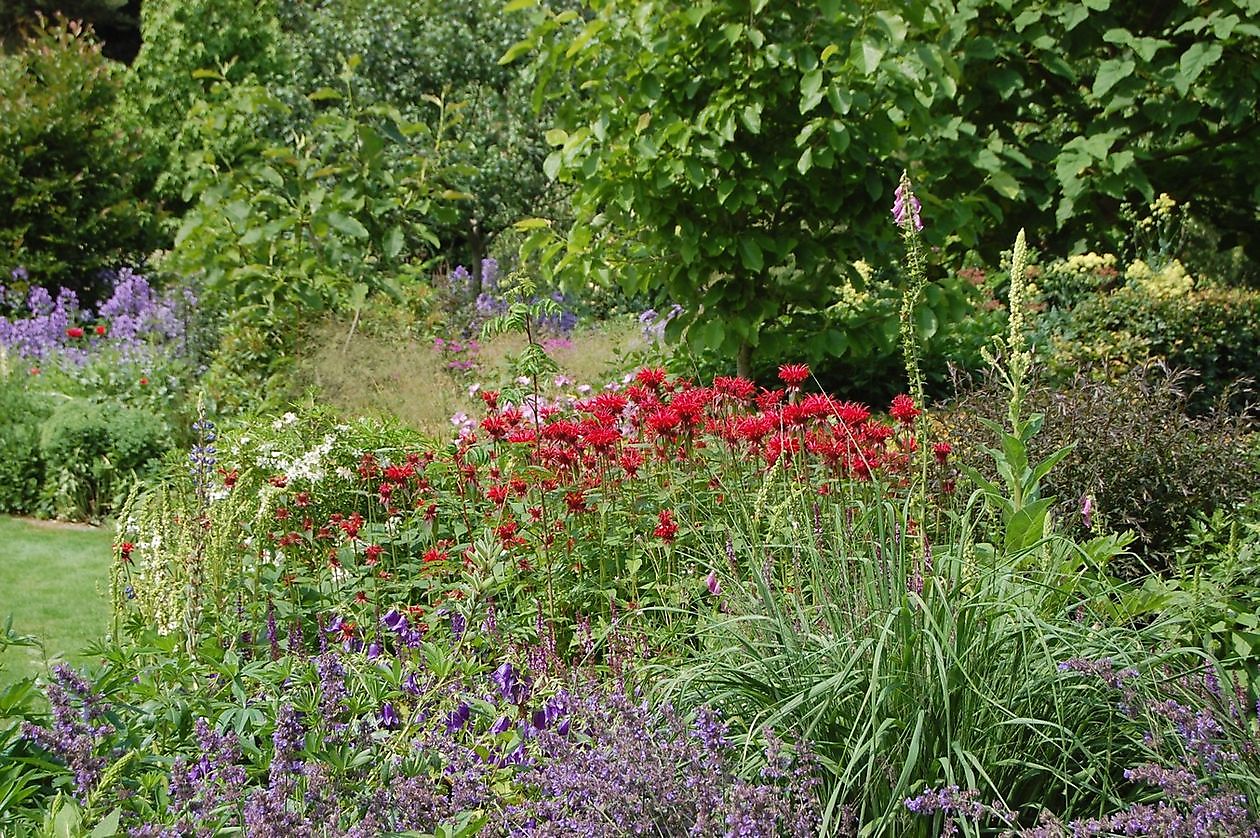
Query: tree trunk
x,y
743,360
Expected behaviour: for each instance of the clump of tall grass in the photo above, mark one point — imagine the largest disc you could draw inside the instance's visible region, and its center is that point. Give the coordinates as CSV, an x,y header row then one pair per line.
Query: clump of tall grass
x,y
912,661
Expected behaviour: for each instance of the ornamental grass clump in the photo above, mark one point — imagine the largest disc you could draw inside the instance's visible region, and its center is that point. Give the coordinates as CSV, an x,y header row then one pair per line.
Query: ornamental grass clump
x,y
1196,776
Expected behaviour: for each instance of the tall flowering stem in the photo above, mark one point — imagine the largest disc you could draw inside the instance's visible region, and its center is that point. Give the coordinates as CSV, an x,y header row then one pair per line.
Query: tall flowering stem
x,y
202,461
1017,347
905,212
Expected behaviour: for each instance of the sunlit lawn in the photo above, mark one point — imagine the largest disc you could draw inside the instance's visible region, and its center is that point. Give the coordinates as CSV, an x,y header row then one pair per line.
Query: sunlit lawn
x,y
54,583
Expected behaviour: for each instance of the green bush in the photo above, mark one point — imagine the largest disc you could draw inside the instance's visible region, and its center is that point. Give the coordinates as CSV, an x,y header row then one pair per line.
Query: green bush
x,y
21,466
449,49
180,38
94,454
1140,457
67,171
1111,318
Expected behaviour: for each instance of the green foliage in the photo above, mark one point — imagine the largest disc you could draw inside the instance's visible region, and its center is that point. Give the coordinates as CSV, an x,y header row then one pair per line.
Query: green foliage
x,y
283,231
21,467
733,157
1111,324
94,452
910,669
1213,591
411,50
715,152
67,170
1066,111
180,39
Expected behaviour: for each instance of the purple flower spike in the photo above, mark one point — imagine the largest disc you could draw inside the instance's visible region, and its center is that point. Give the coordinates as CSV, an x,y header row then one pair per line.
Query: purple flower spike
x,y
904,200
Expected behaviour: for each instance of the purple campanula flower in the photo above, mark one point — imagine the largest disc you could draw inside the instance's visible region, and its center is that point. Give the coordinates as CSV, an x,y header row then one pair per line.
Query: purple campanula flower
x,y
458,718
389,717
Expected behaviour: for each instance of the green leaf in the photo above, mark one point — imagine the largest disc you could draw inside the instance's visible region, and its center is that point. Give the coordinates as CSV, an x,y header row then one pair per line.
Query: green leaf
x,y
925,321
1195,60
108,826
811,90
1027,526
1110,72
532,224
347,224
271,176
551,165
751,117
750,254
518,5
872,54
806,161
1004,184
393,243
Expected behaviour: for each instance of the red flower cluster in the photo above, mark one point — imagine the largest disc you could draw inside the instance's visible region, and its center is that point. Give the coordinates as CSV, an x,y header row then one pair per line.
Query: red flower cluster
x,y
666,528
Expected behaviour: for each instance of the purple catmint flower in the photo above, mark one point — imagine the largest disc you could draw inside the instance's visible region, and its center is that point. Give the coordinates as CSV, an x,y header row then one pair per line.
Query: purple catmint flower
x,y
333,695
79,733
273,637
489,274
458,718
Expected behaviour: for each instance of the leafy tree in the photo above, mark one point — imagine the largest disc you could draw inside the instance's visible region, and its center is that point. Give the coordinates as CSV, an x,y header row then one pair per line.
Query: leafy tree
x,y
185,43
739,155
1066,112
67,171
450,49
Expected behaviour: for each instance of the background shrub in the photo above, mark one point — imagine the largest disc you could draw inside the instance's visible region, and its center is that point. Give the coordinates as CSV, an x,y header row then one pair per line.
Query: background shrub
x,y
1160,316
94,453
412,51
67,169
179,39
21,465
1141,458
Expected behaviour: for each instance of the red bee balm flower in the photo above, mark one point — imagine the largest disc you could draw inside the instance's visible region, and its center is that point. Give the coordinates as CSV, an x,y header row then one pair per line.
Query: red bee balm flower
x,y
372,554
903,409
74,332
942,450
666,529
793,375
100,331
650,377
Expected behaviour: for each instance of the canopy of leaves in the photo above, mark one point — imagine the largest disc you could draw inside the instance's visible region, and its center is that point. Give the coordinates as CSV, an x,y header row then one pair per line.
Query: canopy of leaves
x,y
737,155
448,49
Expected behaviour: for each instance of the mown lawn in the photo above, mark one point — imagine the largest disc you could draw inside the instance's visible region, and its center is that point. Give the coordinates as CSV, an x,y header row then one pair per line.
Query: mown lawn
x,y
54,583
